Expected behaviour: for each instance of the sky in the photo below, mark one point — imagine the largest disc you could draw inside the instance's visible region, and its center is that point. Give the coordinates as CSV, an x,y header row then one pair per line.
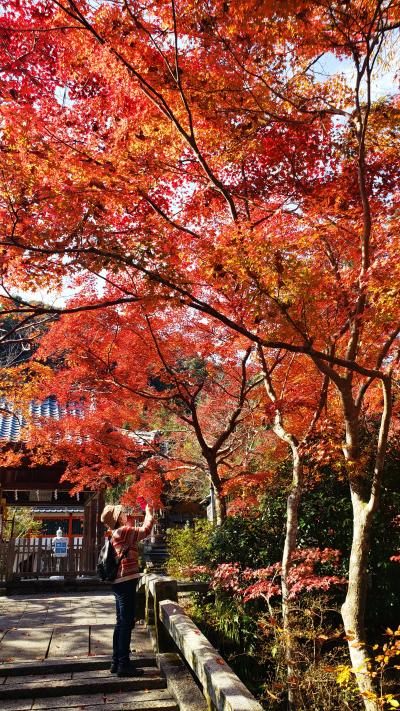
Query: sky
x,y
386,75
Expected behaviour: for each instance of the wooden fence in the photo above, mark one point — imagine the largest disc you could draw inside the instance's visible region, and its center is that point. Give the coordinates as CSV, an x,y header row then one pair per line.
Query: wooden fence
x,y
24,558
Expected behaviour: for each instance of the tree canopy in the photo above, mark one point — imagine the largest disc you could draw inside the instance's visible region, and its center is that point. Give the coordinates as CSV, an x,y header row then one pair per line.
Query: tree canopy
x,y
234,160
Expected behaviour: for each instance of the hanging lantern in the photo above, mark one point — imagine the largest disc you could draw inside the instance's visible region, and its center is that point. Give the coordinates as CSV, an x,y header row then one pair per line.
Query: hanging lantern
x,y
77,495
16,495
55,494
37,495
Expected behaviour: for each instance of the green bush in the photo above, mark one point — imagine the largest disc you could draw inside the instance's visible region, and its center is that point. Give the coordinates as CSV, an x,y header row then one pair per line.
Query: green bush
x,y
185,546
325,521
248,634
255,541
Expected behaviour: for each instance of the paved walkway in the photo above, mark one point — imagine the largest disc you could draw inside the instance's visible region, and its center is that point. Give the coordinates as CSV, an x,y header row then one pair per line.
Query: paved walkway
x,y
55,654
40,627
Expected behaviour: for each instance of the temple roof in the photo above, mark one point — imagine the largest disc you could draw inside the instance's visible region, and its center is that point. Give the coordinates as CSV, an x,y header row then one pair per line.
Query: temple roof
x,y
13,423
57,509
14,426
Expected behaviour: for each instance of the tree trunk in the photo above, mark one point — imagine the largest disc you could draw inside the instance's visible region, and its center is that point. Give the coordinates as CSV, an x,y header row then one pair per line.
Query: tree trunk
x,y
220,506
292,518
219,498
365,500
353,609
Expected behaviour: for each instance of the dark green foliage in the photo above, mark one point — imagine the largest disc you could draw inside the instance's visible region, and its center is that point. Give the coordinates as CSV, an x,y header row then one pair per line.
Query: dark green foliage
x,y
253,542
383,603
325,521
243,631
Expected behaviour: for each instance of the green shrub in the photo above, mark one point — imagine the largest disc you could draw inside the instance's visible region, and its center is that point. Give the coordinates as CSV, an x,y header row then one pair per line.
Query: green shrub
x,y
249,635
186,545
325,521
254,542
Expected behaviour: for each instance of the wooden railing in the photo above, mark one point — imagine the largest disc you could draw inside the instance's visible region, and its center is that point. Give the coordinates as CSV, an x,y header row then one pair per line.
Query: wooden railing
x,y
175,631
24,558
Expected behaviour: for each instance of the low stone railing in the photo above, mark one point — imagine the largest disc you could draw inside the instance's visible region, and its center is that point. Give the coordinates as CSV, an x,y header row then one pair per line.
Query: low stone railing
x,y
175,631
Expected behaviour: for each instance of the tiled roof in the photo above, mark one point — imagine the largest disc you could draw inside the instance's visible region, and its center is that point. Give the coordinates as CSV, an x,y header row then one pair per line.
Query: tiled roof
x,y
13,423
57,509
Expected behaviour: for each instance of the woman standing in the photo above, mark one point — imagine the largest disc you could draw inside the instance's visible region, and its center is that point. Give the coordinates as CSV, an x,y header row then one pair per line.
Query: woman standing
x,y
125,538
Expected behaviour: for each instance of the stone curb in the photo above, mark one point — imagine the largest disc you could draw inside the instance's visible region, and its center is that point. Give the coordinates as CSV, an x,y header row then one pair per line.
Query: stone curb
x,y
26,587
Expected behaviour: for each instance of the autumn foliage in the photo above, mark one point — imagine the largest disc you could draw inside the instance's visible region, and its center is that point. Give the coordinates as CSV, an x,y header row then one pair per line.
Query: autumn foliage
x,y
218,184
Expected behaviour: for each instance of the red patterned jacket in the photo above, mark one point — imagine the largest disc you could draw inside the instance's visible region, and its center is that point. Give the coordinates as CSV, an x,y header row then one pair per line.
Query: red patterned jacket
x,y
128,537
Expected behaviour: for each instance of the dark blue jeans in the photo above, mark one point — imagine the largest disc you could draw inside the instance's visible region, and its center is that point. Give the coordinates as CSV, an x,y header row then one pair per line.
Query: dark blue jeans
x,y
125,594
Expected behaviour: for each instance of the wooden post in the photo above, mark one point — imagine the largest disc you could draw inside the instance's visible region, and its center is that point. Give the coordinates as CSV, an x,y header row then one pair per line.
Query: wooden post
x,y
93,533
89,532
3,515
100,501
10,559
39,557
69,570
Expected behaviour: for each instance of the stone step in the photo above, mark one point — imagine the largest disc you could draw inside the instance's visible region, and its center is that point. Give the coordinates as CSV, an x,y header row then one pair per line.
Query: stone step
x,y
82,683
62,666
146,700
101,674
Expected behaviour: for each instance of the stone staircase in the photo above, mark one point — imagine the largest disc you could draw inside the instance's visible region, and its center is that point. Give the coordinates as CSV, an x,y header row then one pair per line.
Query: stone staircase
x,y
84,685
155,554
55,653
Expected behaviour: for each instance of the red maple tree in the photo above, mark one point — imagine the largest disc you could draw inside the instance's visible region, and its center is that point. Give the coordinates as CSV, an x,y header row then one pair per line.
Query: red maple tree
x,y
201,153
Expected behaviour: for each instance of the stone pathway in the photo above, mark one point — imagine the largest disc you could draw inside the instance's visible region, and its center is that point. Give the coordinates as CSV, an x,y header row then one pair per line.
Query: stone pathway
x,y
55,654
41,627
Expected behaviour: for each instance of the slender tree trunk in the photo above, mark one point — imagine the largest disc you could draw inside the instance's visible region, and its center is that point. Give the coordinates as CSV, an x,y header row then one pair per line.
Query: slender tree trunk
x,y
292,520
220,507
219,498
